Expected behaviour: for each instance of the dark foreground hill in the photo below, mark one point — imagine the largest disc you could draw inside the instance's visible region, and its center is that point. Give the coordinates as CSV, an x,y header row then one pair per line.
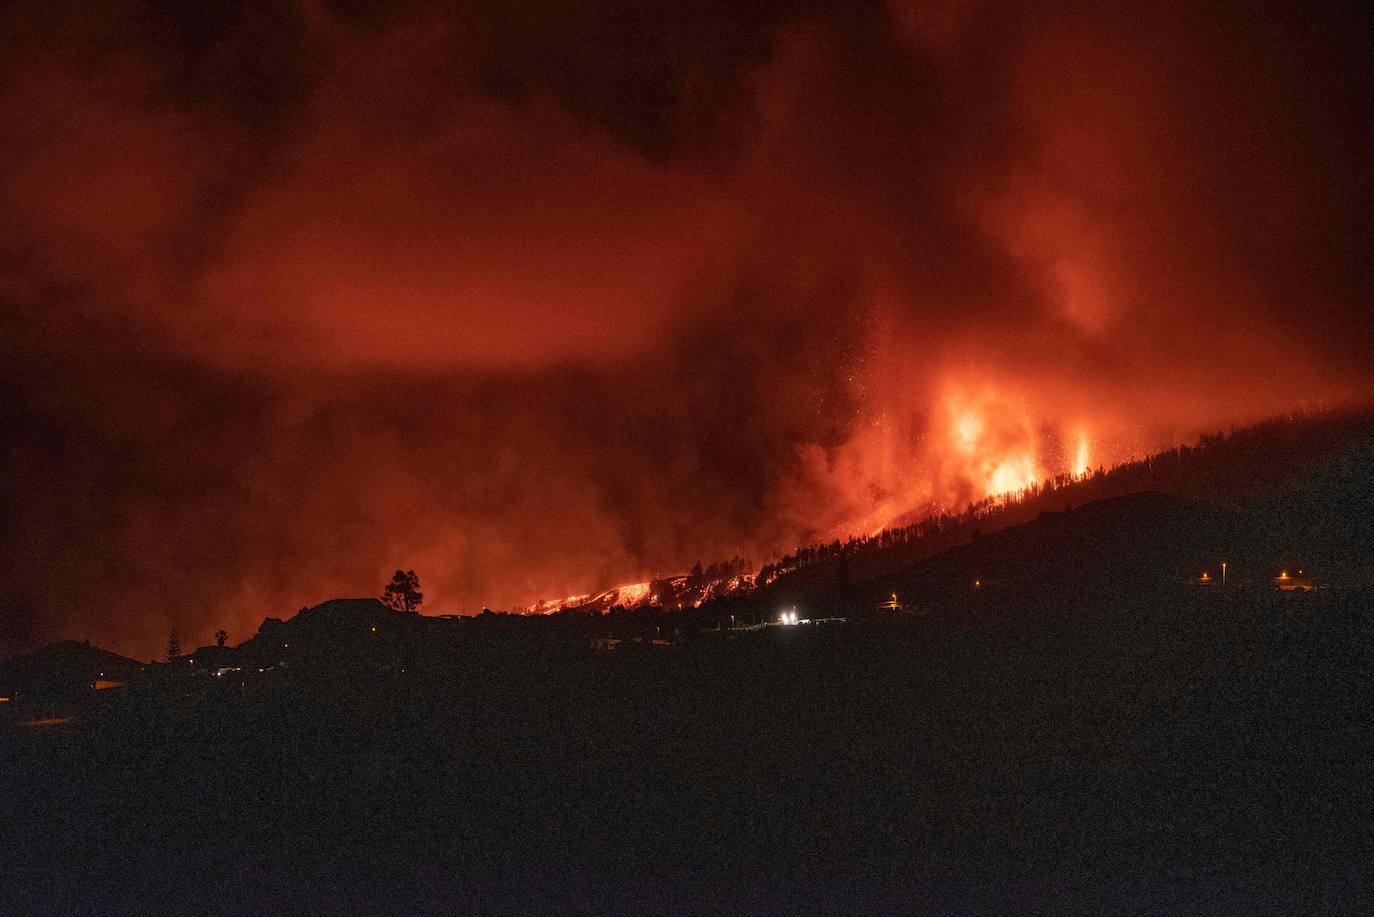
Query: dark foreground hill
x,y
1060,718
62,669
1188,754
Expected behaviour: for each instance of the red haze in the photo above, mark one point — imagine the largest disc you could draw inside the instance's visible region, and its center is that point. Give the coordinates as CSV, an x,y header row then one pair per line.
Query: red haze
x,y
538,304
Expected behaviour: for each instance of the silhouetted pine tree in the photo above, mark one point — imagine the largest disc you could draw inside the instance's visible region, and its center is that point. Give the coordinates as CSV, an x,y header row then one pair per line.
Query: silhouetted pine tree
x,y
403,592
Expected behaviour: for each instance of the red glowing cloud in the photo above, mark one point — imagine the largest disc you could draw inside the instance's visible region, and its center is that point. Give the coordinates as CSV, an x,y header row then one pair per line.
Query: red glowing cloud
x,y
409,228
537,304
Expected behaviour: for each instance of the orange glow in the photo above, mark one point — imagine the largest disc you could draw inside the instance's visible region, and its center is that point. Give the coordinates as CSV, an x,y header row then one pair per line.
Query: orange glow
x,y
1012,474
544,325
994,438
629,595
1082,458
47,721
968,428
104,684
633,593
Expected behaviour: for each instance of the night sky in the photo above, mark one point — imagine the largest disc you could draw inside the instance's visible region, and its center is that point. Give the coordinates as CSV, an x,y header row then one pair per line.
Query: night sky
x,y
537,298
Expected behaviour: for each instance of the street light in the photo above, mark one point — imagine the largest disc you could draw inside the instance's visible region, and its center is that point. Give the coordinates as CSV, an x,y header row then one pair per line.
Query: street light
x,y
1223,573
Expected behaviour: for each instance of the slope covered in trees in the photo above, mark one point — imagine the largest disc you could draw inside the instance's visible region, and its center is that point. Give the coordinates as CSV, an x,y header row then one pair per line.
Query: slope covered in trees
x,y
1222,470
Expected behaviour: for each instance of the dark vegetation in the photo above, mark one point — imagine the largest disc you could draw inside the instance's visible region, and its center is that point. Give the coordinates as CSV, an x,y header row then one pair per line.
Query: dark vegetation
x,y
1085,730
403,592
1221,469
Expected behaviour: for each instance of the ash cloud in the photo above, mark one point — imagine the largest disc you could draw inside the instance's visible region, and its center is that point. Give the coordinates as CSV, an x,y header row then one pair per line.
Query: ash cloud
x,y
538,299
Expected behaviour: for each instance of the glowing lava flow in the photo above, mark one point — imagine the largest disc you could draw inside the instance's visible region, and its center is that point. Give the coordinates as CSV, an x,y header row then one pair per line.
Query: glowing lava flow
x,y
630,595
681,591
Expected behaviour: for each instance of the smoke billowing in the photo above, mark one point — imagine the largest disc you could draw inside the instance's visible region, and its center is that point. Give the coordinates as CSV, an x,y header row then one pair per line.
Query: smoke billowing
x,y
539,298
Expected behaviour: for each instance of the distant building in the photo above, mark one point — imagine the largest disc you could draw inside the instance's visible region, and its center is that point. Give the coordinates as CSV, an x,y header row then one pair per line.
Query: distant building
x,y
209,658
604,643
1298,580
68,669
